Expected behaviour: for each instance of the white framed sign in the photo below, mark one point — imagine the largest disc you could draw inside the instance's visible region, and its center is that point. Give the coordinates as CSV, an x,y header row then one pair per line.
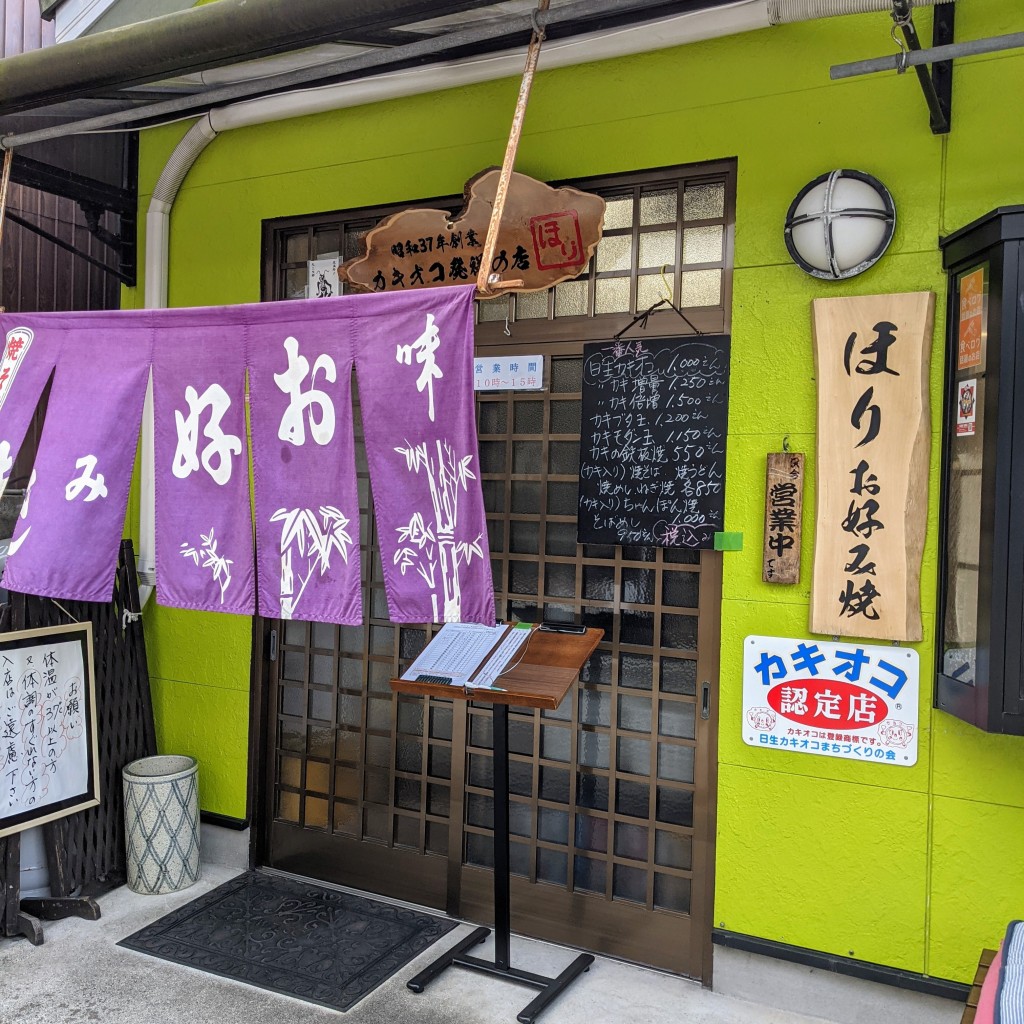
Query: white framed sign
x,y
849,700
49,754
508,373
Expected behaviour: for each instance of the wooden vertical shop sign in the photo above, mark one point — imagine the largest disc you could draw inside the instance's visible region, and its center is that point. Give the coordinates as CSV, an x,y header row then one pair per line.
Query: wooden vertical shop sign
x,y
783,515
872,354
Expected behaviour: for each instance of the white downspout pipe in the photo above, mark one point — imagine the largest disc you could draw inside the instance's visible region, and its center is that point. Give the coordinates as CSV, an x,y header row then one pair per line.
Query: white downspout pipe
x,y
742,16
158,225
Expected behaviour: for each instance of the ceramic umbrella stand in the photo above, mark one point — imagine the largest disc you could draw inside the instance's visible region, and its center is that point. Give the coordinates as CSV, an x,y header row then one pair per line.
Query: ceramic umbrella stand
x,y
161,821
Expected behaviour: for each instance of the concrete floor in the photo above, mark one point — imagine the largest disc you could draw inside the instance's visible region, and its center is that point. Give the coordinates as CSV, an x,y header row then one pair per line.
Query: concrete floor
x,y
81,975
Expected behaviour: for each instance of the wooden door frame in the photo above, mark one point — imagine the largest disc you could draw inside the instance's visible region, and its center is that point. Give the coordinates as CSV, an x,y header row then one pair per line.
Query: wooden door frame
x,y
709,670
260,783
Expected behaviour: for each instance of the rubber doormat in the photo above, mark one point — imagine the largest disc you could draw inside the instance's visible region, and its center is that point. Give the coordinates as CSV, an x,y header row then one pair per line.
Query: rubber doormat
x,y
292,937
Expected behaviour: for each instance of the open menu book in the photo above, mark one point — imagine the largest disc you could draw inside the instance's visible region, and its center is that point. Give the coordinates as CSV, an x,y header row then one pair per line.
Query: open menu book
x,y
469,655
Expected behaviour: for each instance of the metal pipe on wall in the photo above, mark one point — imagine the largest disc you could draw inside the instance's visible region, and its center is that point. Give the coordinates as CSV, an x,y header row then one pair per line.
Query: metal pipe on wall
x,y
932,55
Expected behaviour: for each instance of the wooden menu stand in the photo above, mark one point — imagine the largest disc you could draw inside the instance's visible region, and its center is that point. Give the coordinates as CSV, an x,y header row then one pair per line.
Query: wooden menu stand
x,y
543,676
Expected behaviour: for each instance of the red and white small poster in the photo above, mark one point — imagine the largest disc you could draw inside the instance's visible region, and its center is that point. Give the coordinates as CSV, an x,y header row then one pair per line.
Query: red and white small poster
x,y
15,350
849,700
966,407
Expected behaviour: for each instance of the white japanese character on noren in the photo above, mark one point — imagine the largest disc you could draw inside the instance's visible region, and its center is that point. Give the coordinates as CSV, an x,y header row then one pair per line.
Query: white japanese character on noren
x,y
292,428
221,447
96,484
425,346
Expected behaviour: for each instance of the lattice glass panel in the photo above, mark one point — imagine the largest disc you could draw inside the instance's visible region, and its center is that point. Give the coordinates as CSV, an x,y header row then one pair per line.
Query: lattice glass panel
x,y
654,227
701,288
571,299
658,206
703,245
612,295
618,213
704,202
614,253
603,786
657,249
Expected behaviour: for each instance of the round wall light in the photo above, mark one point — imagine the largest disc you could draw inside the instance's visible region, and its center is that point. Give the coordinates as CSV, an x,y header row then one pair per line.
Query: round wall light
x,y
840,224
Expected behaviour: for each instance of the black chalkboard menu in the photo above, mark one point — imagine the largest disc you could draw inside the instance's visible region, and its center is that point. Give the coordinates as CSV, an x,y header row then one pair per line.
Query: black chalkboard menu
x,y
652,445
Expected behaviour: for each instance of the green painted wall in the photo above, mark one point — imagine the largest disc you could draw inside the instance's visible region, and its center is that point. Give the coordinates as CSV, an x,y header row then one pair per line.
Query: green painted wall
x,y
903,867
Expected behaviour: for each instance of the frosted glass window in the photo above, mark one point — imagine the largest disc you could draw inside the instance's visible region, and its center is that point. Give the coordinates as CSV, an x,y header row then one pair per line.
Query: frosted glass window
x,y
704,202
703,245
489,310
571,299
532,306
325,243
701,288
614,253
658,207
296,248
612,295
650,288
657,249
353,237
618,213
295,283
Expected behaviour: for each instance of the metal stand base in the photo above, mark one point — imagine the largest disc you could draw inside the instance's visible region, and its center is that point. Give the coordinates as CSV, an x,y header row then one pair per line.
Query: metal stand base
x,y
550,988
501,967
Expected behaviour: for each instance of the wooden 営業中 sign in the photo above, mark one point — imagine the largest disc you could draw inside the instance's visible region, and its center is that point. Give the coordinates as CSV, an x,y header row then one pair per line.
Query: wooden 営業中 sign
x,y
49,754
546,235
872,354
783,517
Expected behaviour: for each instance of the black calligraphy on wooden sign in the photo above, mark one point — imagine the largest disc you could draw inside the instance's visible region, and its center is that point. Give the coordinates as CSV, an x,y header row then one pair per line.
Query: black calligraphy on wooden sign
x,y
783,516
546,235
49,754
652,444
872,354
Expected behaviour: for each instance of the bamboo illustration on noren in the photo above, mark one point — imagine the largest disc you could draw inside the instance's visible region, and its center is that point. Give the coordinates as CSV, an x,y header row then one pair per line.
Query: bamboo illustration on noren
x,y
302,533
434,548
211,560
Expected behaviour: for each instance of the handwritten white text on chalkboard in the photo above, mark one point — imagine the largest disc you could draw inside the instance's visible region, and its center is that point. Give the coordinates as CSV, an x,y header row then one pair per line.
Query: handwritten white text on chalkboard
x,y
653,436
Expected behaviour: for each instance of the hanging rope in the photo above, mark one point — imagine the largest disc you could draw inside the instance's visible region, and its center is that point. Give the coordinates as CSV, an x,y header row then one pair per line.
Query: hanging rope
x,y
5,180
488,283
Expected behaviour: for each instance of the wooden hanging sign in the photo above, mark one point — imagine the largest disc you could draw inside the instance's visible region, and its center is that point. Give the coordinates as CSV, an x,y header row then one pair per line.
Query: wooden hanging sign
x,y
872,354
783,517
547,235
